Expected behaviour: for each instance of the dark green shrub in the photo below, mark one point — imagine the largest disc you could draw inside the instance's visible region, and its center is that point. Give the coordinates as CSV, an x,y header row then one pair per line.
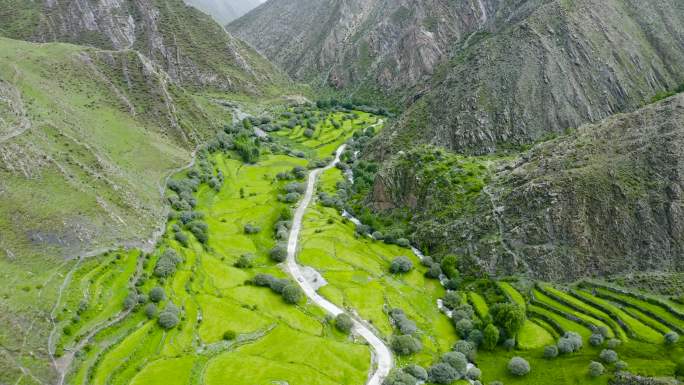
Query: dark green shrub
x,y
510,317
596,339
292,293
344,323
416,371
401,265
151,310
252,229
671,338
402,322
399,377
279,253
442,373
434,272
463,327
229,335
405,345
157,294
456,360
246,261
168,319
452,300
608,356
491,337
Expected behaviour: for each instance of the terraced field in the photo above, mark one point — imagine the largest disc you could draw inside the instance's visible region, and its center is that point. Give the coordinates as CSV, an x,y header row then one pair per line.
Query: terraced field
x,y
228,330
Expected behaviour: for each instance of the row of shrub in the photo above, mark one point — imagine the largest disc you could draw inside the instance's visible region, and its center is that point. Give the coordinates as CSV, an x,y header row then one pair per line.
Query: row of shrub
x,y
289,290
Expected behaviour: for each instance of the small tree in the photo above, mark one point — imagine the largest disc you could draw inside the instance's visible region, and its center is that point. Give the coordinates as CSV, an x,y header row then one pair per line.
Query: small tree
x,y
621,365
434,272
463,327
596,369
457,361
251,229
246,261
473,373
417,372
464,347
405,345
443,373
401,265
608,356
292,293
168,320
344,323
150,310
279,253
157,294
510,317
613,343
518,366
491,337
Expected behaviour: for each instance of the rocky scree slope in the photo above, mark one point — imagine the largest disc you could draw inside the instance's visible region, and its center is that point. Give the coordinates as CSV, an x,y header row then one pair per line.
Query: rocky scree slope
x,y
192,48
605,199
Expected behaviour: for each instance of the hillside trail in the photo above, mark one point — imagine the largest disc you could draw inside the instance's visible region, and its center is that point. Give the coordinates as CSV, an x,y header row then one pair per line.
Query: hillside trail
x,y
382,356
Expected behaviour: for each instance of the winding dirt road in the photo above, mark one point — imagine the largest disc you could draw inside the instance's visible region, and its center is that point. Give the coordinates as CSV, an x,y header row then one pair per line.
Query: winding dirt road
x,y
382,356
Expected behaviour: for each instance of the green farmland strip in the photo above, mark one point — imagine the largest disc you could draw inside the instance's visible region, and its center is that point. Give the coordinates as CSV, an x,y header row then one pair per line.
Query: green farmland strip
x,y
564,309
479,304
648,308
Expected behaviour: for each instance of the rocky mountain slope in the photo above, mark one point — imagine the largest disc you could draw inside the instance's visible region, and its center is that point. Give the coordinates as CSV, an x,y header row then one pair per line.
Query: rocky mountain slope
x,y
605,199
224,11
486,74
192,48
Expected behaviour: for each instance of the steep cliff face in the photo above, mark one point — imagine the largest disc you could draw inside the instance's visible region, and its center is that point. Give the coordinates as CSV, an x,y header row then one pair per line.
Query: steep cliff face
x,y
605,199
192,48
388,45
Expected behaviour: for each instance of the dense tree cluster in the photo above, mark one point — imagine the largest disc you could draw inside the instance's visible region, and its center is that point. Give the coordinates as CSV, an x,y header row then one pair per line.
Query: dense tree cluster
x,y
168,318
509,317
167,263
289,290
403,324
245,261
405,345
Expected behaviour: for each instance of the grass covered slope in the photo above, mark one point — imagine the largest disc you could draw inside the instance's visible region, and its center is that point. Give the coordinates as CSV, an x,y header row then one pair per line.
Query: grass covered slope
x,y
84,154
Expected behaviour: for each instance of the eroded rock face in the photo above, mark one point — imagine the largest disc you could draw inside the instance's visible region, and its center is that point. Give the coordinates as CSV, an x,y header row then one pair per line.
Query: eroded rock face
x,y
605,199
392,45
558,67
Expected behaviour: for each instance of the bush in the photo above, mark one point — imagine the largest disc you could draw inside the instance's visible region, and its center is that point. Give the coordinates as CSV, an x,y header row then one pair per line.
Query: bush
x,y
550,351
491,337
166,264
517,366
509,344
279,253
463,327
434,272
466,348
679,369
377,236
613,343
509,317
475,337
405,345
596,339
182,238
570,342
442,374
309,133
621,365
246,261
401,265
473,373
596,369
344,323
671,338
452,300
157,294
403,242
251,229
263,280
229,335
402,322
456,360
417,372
608,356
292,293
399,377
151,311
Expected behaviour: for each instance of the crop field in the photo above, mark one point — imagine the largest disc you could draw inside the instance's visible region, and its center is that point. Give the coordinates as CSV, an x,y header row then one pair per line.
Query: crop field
x,y
227,329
